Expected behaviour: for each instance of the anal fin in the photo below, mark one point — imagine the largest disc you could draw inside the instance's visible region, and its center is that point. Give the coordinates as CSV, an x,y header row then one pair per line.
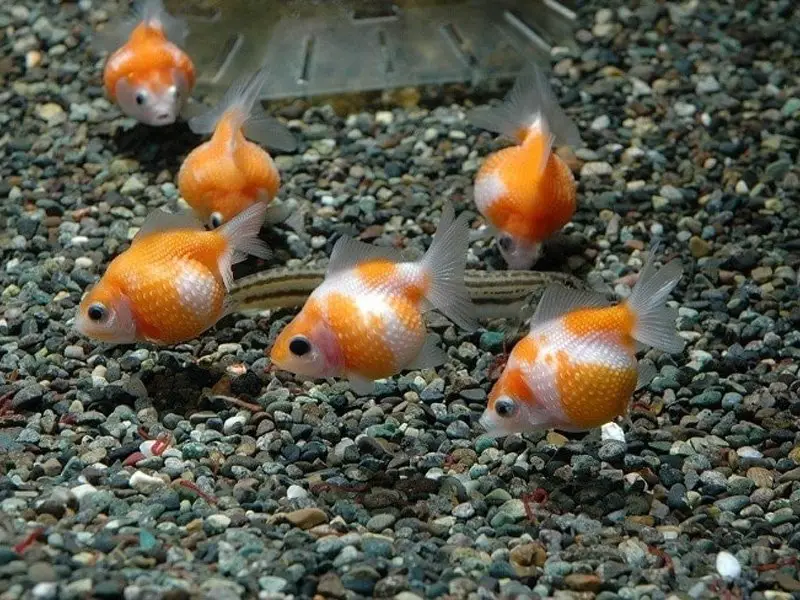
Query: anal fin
x,y
361,385
430,355
647,371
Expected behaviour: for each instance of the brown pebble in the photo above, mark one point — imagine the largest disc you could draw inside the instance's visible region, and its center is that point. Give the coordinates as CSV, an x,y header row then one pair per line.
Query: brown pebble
x,y
583,582
306,518
330,586
527,558
761,477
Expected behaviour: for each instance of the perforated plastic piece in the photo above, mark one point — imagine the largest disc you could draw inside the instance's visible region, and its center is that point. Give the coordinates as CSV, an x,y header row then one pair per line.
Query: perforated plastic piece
x,y
323,48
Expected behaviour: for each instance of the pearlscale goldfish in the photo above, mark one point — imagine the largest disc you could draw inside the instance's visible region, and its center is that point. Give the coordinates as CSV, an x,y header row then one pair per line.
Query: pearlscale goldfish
x,y
365,321
147,74
576,369
526,192
171,284
228,173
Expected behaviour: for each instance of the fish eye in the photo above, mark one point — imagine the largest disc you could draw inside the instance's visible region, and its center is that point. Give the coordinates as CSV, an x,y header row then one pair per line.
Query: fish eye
x,y
140,98
97,312
505,243
505,407
216,219
299,346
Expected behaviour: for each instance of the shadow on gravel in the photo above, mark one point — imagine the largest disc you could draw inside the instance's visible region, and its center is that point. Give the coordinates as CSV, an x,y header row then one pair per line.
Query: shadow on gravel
x,y
156,148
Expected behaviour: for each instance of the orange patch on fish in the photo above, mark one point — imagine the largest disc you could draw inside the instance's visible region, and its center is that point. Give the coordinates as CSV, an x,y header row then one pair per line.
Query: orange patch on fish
x,y
147,57
360,337
617,319
534,206
593,394
227,174
375,273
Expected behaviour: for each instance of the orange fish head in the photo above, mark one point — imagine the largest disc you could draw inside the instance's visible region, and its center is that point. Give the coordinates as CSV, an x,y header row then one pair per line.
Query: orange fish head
x,y
221,207
510,406
105,314
519,254
308,347
155,98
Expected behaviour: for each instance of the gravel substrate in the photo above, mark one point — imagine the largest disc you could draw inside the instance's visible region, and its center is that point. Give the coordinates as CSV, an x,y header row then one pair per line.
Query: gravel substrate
x,y
690,114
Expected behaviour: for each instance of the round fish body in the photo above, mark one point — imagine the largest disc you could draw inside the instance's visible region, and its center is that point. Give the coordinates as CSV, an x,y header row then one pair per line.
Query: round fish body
x,y
376,316
566,375
173,285
149,77
365,321
225,175
530,209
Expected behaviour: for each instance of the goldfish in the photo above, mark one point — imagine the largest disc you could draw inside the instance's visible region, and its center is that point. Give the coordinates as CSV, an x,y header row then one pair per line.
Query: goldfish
x,y
576,368
171,284
365,322
526,192
147,74
228,173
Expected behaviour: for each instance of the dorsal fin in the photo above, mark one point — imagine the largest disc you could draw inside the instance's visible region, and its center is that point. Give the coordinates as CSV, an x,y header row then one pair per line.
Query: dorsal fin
x,y
347,253
558,300
161,220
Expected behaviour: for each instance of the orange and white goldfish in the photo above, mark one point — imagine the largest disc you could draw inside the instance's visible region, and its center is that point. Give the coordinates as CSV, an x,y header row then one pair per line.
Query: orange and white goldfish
x,y
576,369
171,284
228,173
526,192
365,321
147,74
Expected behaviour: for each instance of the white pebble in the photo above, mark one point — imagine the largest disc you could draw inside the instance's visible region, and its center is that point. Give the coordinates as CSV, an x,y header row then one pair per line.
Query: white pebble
x,y
464,510
384,117
219,521
232,423
79,491
612,431
45,590
295,491
83,262
596,168
600,123
684,109
146,484
741,187
728,565
748,452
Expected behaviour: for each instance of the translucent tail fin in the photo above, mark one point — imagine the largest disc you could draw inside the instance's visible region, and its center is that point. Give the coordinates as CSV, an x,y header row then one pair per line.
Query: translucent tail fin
x,y
655,322
530,100
445,261
241,233
175,28
151,11
242,97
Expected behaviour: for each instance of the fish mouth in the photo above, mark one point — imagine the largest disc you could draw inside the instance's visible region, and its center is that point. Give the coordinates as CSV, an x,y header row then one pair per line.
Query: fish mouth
x,y
486,422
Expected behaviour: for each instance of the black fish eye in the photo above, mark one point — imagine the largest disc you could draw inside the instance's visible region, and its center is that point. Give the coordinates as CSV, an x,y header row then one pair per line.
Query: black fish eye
x,y
299,346
505,407
96,312
505,243
140,98
216,219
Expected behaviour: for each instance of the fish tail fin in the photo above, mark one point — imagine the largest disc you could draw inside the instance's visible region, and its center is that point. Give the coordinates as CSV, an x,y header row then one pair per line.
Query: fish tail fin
x,y
241,235
529,106
654,322
446,260
241,104
154,12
